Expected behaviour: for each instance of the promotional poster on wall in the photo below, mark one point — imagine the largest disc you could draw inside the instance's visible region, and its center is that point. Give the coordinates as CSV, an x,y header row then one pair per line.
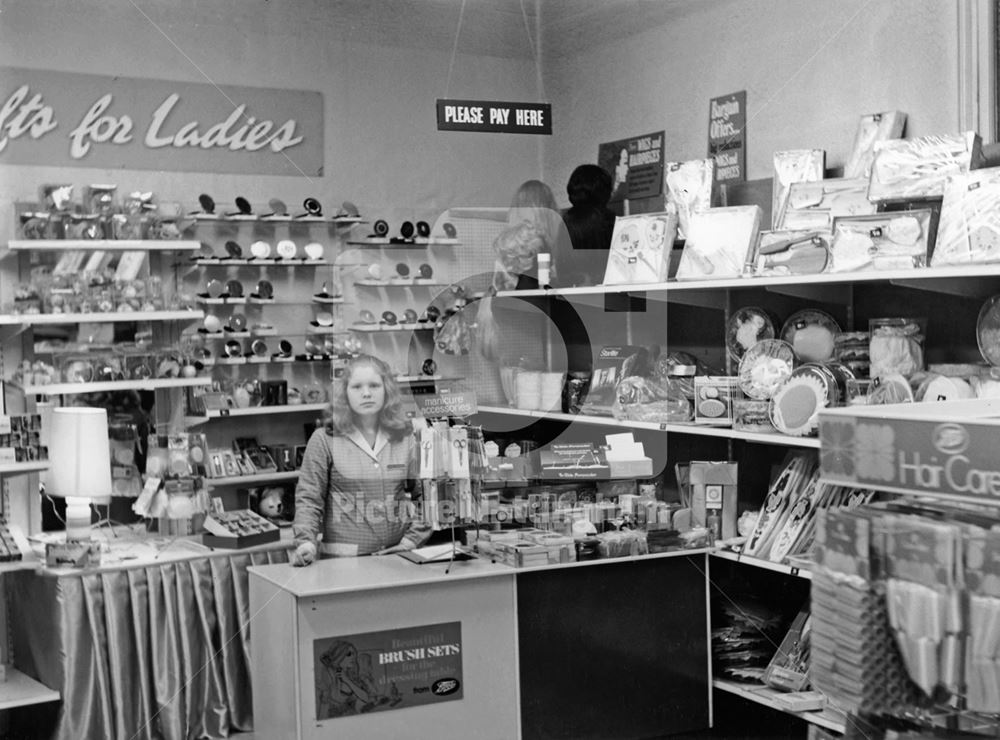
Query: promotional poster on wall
x,y
386,670
636,166
727,136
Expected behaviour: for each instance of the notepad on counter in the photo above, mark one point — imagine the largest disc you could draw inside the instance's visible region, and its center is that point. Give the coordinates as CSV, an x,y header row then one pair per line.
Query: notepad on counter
x,y
437,554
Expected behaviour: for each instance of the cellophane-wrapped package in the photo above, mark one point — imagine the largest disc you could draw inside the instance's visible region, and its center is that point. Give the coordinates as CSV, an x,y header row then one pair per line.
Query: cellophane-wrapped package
x,y
719,243
689,187
872,127
969,229
793,165
812,206
640,249
907,169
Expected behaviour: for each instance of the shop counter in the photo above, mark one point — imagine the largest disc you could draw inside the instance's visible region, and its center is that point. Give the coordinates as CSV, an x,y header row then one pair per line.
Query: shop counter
x,y
380,647
152,646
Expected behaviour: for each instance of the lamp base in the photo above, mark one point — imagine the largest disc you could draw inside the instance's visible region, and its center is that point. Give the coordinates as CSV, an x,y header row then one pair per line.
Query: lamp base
x,y
77,518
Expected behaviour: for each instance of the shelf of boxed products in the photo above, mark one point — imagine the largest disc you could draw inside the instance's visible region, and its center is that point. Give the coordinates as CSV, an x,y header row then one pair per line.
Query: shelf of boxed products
x,y
828,717
277,476
677,428
16,468
20,690
114,317
149,384
295,408
786,568
106,245
260,262
976,280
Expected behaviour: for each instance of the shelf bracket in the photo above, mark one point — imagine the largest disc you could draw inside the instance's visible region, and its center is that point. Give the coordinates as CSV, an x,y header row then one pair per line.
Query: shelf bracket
x,y
964,287
835,293
715,299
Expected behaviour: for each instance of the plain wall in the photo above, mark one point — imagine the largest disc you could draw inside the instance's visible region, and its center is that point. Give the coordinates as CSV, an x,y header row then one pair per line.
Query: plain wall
x,y
810,69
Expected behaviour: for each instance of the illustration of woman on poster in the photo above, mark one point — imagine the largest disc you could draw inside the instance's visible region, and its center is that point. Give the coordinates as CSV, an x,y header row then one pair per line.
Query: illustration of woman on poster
x,y
347,685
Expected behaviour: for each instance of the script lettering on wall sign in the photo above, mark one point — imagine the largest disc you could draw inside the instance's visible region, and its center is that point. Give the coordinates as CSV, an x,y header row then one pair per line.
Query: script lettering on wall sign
x,y
63,118
494,117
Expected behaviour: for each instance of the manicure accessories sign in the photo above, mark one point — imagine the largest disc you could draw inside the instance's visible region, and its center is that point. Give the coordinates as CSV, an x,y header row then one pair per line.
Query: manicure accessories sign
x,y
494,117
63,118
386,670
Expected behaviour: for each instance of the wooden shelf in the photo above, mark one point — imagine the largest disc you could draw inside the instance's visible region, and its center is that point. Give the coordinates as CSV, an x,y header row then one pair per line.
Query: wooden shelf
x,y
60,389
105,245
299,408
383,329
115,317
417,242
670,428
284,218
254,480
397,284
17,468
763,564
829,718
966,280
265,262
20,691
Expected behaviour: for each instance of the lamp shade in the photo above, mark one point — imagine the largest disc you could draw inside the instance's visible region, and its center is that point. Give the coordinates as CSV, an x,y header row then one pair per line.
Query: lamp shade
x,y
79,454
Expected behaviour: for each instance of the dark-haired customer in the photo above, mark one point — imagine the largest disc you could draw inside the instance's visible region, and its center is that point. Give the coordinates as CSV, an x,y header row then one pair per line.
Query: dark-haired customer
x,y
590,224
351,497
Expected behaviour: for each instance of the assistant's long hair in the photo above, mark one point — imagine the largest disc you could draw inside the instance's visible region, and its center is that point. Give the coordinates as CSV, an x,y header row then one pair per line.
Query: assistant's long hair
x,y
392,419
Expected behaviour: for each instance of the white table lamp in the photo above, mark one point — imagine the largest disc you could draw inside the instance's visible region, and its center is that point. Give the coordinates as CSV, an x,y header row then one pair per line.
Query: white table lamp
x,y
79,464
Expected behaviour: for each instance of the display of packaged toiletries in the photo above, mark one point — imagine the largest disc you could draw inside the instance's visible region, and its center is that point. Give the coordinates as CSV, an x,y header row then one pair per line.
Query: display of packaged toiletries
x,y
718,242
689,189
884,241
969,228
640,249
872,127
813,205
791,166
907,169
786,252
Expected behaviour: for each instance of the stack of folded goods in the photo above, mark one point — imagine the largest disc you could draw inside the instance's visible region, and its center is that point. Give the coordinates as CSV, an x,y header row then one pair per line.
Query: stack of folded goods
x,y
743,643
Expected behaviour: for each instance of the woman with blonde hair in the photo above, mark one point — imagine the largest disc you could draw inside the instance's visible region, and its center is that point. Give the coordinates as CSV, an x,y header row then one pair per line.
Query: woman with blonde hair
x,y
351,497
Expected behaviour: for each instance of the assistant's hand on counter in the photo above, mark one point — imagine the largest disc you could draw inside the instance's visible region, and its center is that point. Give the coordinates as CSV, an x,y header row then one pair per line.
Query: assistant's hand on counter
x,y
304,554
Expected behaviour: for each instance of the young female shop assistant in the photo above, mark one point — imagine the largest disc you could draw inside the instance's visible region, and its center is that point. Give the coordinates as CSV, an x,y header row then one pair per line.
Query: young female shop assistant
x,y
355,471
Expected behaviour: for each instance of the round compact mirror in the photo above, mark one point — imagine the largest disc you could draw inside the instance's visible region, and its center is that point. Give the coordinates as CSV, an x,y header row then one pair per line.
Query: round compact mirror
x,y
265,290
215,288
234,288
233,348
234,250
237,322
410,316
243,206
314,250
389,318
206,203
324,318
406,229
212,324
260,249
426,271
423,229
285,348
312,206
259,348
287,249
381,227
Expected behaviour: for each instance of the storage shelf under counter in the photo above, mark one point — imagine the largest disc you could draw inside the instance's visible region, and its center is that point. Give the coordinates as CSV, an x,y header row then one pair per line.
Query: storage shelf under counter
x,y
537,645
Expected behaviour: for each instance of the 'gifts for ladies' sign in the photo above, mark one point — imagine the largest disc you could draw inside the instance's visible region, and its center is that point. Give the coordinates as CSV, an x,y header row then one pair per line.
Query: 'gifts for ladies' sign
x,y
63,118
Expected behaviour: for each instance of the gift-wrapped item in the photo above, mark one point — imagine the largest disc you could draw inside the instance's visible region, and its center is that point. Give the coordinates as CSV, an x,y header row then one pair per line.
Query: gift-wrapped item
x,y
872,127
689,187
791,166
905,169
719,242
640,249
969,229
814,205
884,241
